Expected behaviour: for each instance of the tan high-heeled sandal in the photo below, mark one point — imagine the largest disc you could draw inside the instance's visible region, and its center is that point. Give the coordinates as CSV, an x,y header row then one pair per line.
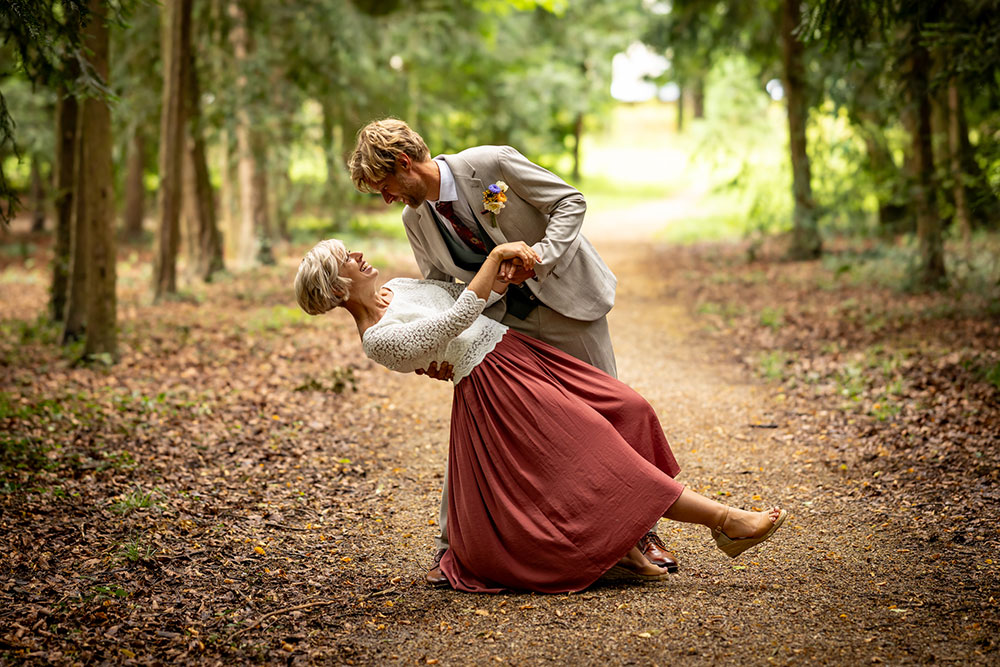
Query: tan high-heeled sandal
x,y
734,547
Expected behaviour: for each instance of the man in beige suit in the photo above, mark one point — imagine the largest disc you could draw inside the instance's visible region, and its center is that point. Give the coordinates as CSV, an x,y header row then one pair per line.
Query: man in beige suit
x,y
453,218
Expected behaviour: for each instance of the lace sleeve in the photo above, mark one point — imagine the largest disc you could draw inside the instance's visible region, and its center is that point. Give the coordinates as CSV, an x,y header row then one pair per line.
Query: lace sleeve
x,y
396,343
456,289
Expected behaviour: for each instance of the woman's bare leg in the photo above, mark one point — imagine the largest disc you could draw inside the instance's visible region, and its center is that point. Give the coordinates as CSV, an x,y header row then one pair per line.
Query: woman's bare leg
x,y
693,507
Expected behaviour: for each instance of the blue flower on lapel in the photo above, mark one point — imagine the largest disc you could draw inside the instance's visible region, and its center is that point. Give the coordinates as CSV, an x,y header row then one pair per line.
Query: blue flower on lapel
x,y
493,200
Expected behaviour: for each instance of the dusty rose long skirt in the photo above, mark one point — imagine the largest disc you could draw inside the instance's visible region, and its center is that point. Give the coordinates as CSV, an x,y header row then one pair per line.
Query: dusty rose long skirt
x,y
556,470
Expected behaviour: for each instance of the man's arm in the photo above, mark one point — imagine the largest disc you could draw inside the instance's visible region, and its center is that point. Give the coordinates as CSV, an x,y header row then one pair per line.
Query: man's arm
x,y
562,203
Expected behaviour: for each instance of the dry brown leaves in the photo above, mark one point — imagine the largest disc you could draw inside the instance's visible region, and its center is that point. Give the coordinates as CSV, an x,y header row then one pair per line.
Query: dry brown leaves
x,y
214,481
901,391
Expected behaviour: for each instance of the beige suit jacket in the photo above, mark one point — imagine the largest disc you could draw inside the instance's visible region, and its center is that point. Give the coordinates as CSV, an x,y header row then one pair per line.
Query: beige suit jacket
x,y
541,210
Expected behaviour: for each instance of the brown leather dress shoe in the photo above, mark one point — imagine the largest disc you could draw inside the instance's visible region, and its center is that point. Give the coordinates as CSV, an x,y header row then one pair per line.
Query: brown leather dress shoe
x,y
435,577
653,548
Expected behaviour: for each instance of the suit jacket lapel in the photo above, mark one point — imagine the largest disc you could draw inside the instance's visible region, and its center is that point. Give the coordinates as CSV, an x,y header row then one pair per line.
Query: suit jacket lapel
x,y
436,245
470,188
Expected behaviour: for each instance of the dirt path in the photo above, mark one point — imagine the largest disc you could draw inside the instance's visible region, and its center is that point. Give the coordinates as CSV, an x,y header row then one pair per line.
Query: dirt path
x,y
837,585
214,499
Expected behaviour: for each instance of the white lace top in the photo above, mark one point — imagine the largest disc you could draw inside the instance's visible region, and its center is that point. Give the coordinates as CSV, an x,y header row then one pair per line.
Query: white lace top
x,y
430,320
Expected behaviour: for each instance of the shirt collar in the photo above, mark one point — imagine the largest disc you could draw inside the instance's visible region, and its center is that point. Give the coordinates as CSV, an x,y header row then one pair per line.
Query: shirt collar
x,y
448,190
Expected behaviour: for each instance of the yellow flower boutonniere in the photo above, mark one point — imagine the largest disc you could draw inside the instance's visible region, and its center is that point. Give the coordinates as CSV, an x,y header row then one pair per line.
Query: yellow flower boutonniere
x,y
494,198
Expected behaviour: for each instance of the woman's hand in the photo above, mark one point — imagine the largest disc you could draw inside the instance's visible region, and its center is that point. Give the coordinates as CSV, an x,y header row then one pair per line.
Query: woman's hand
x,y
517,250
489,273
444,371
513,272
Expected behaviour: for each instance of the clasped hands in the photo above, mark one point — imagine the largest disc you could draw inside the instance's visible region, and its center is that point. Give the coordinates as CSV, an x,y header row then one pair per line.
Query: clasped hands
x,y
517,261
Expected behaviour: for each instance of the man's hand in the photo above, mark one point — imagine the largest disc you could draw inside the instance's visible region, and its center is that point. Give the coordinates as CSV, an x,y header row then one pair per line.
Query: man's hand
x,y
442,371
514,272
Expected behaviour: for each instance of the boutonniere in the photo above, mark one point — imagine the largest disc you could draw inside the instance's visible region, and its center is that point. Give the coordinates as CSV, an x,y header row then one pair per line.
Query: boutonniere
x,y
493,200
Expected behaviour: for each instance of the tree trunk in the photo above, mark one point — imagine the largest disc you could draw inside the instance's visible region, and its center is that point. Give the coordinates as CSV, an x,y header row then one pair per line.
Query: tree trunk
x,y
221,68
338,186
189,211
246,240
37,197
261,211
984,207
66,120
284,204
227,200
929,228
99,200
135,189
74,316
806,242
680,109
206,239
577,138
962,215
698,97
175,47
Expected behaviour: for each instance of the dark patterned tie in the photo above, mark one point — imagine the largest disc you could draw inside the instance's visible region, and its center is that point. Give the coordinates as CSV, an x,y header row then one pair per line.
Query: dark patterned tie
x,y
447,209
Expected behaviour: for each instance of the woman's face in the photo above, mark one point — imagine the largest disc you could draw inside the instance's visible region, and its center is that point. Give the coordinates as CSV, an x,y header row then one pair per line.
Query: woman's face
x,y
358,271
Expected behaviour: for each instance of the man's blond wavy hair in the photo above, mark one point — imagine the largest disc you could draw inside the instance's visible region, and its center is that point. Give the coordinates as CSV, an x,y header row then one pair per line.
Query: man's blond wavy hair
x,y
380,143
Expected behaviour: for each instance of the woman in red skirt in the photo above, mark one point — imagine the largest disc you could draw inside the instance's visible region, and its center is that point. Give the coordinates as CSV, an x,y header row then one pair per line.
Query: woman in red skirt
x,y
555,469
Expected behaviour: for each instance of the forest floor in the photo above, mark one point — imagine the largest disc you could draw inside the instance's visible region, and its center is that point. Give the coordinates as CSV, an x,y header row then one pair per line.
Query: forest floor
x,y
243,486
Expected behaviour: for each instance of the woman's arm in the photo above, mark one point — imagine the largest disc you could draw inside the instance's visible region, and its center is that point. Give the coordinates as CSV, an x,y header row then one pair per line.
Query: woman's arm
x,y
395,344
486,278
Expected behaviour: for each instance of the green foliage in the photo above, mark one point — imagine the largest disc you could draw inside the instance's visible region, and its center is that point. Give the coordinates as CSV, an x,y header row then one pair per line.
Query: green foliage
x,y
739,150
42,44
20,450
991,374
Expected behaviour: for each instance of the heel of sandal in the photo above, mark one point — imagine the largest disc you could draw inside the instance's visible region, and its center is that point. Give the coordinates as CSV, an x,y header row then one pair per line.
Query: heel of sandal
x,y
734,547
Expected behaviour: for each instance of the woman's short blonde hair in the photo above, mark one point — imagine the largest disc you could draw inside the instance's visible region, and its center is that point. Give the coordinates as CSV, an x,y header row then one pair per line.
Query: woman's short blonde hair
x,y
318,285
380,143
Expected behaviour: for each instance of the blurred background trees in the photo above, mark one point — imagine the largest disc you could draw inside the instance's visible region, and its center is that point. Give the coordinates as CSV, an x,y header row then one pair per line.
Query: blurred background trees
x,y
230,120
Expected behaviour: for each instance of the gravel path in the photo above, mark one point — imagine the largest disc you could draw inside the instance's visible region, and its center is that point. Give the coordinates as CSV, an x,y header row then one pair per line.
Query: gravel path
x,y
842,582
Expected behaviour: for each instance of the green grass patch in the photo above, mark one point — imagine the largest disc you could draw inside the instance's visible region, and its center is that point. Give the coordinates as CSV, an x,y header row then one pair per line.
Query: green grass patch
x,y
135,550
339,379
990,373
885,409
384,223
109,591
772,318
138,499
727,311
773,365
277,318
604,193
851,382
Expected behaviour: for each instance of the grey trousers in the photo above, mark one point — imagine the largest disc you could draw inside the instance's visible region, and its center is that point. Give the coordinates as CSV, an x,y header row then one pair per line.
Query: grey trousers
x,y
587,341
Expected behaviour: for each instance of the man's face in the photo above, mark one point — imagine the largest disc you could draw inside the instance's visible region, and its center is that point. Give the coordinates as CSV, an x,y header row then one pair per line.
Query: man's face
x,y
403,185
